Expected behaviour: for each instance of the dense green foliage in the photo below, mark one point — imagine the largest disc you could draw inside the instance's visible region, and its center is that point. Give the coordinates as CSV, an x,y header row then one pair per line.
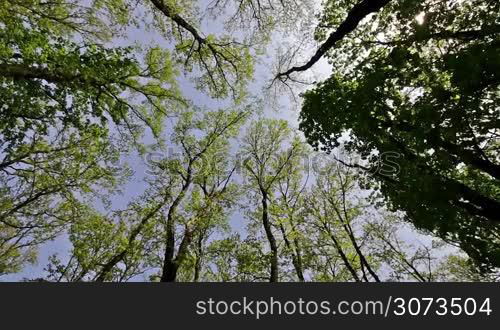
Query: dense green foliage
x,y
421,79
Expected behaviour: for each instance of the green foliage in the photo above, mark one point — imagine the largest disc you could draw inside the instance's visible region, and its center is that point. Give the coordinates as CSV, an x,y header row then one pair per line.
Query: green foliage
x,y
427,91
61,98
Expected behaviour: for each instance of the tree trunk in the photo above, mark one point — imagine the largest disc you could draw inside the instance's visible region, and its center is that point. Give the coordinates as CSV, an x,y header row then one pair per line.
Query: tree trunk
x,y
199,256
344,257
270,237
296,255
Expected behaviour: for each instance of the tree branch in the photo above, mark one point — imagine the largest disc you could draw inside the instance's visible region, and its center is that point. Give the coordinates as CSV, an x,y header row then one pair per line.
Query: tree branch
x,y
357,13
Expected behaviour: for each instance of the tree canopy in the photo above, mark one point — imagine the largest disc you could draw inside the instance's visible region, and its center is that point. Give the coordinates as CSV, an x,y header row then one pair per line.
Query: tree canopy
x,y
229,190
422,79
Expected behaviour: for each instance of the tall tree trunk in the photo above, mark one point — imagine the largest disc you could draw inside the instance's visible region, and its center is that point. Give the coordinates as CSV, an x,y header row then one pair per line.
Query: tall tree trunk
x,y
171,265
169,270
271,239
362,258
296,256
199,256
300,266
169,273
343,256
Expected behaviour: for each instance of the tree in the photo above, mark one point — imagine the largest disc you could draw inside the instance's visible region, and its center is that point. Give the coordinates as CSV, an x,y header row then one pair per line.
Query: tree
x,y
459,268
334,214
188,196
217,128
355,15
259,19
288,208
44,186
267,161
407,260
421,80
350,236
233,259
64,104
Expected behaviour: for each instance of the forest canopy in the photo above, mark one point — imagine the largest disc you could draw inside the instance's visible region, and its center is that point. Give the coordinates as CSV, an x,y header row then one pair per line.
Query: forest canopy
x,y
139,140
